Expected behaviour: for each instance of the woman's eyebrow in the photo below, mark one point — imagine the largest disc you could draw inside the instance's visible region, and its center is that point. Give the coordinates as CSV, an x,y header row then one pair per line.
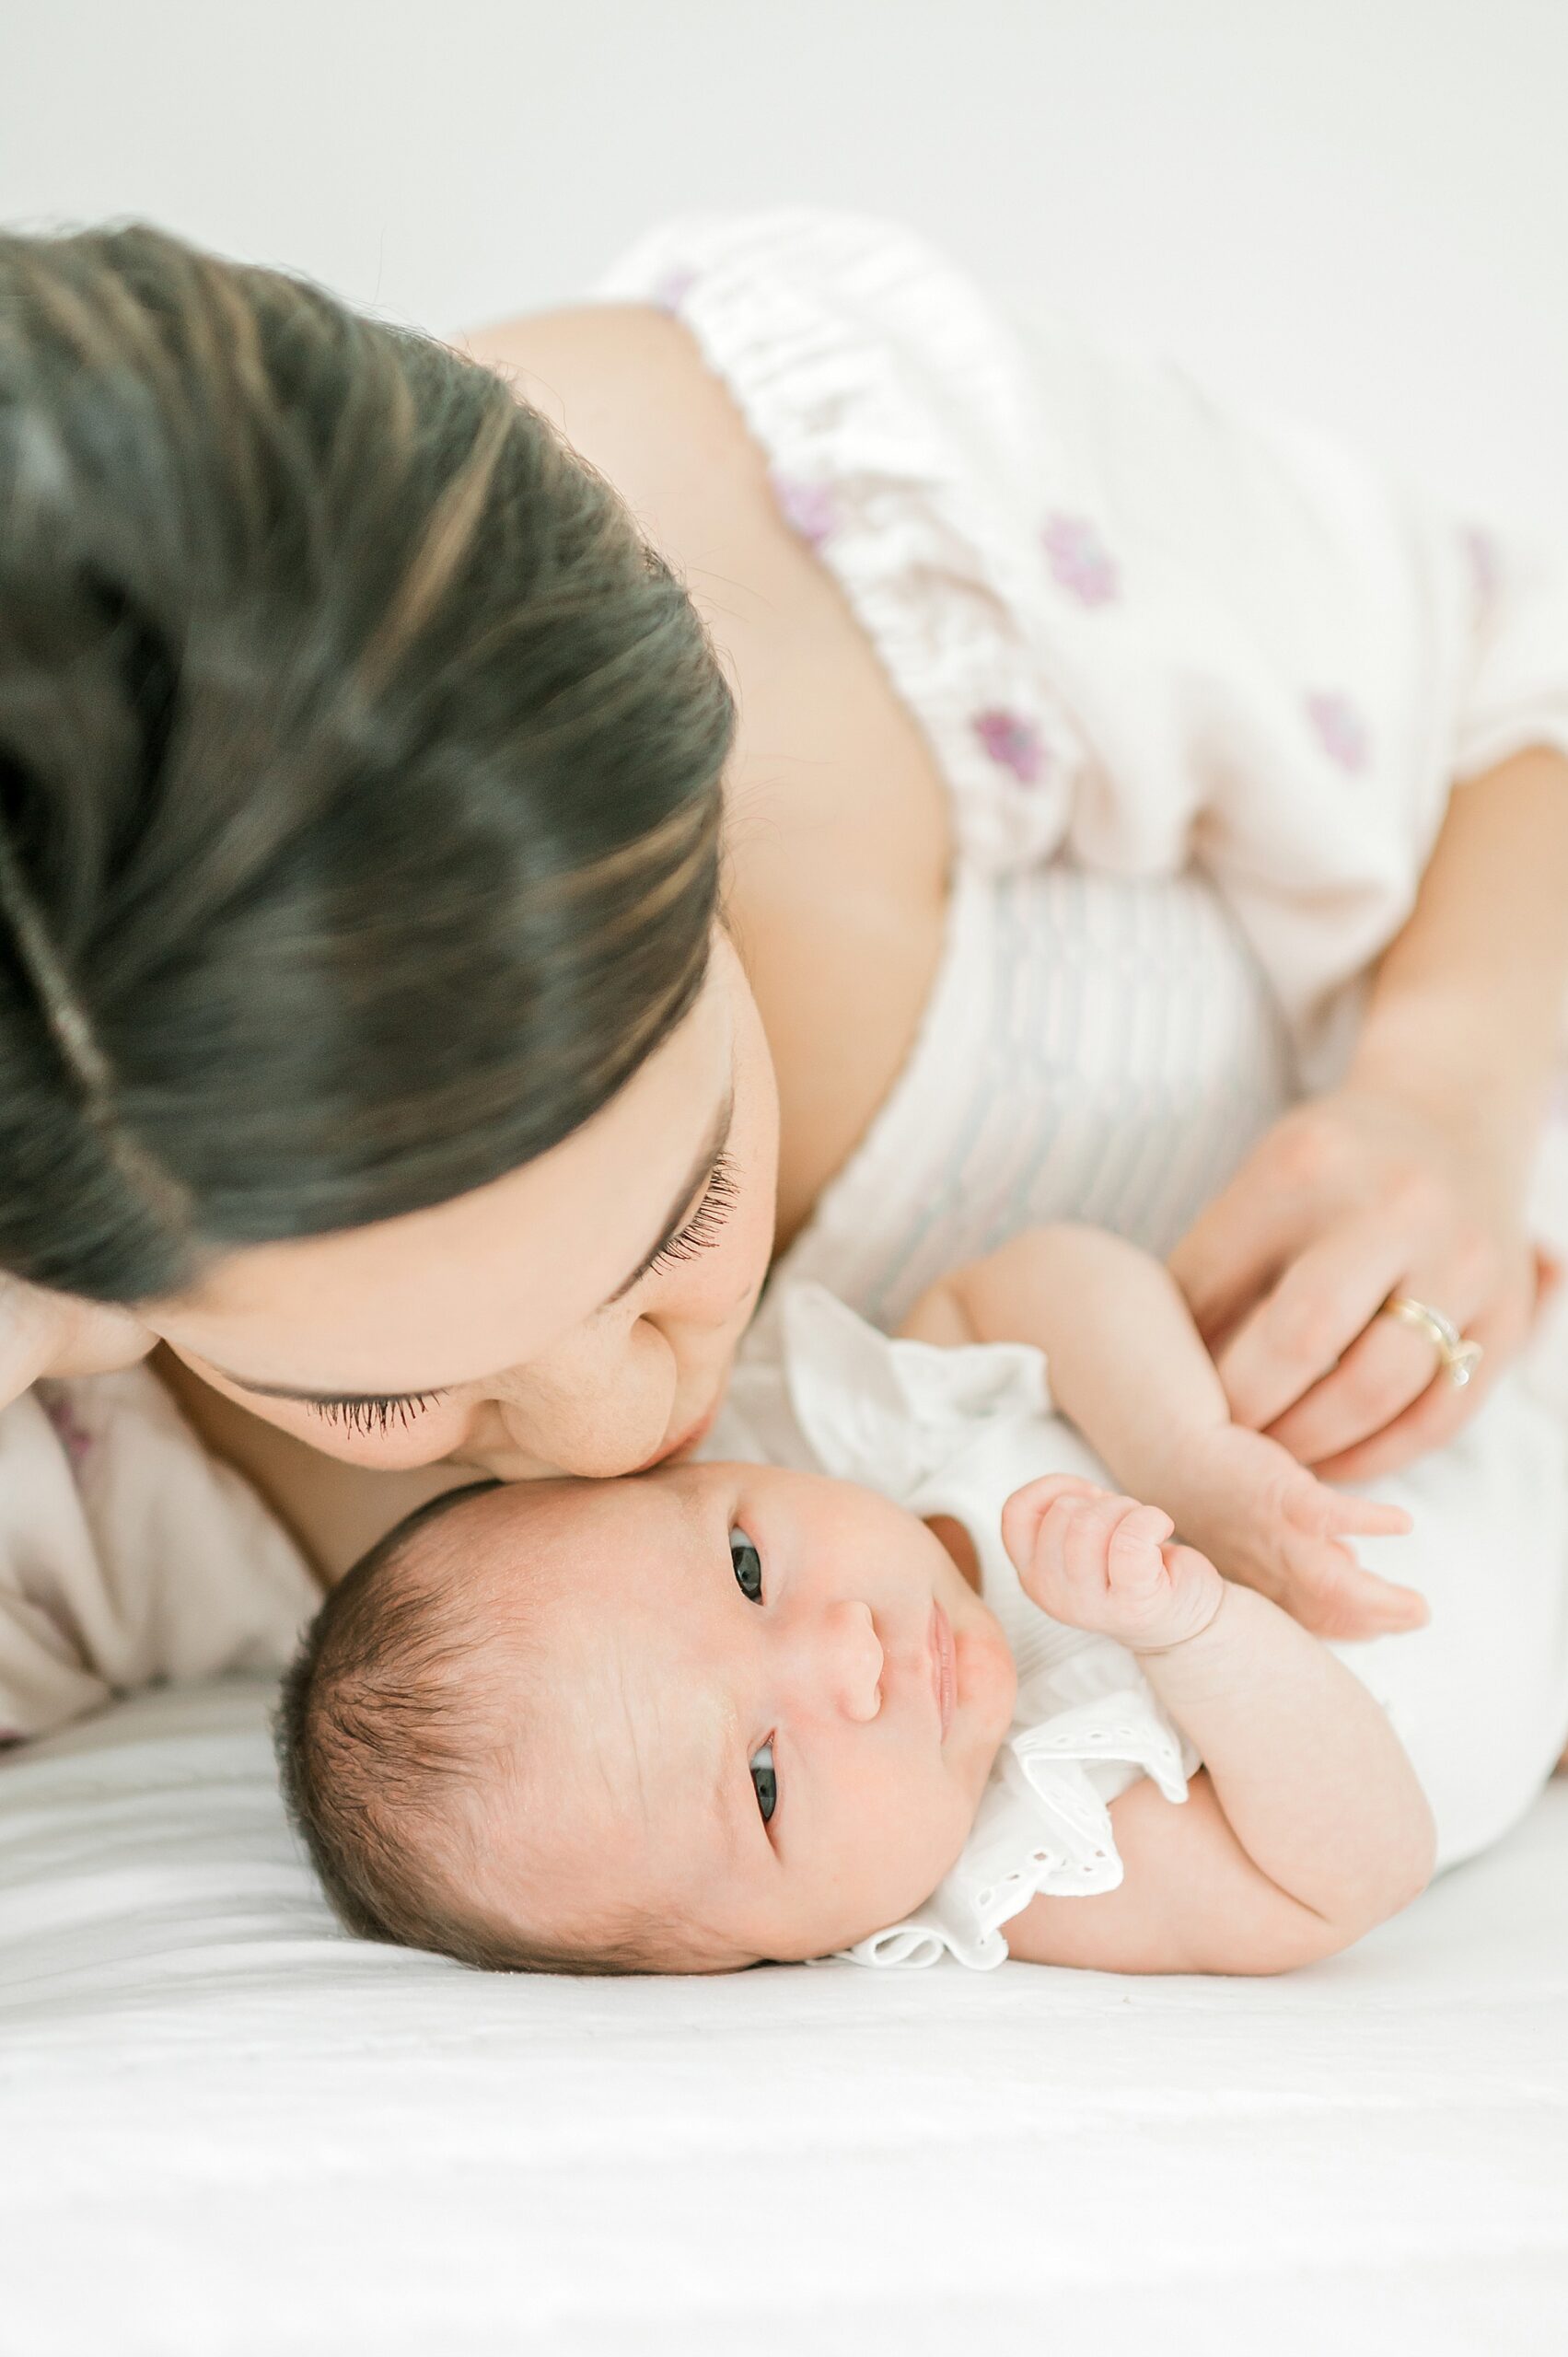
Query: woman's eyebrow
x,y
702,1171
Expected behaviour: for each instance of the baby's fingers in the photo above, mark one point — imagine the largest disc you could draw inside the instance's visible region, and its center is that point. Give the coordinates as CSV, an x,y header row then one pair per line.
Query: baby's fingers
x,y
1106,1536
1133,1555
1027,1509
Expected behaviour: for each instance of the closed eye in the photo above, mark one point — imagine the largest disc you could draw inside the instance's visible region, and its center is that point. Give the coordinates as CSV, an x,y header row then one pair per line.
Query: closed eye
x,y
371,1414
699,1232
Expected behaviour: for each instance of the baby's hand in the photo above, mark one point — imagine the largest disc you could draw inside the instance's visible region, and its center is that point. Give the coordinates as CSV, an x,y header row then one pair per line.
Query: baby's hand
x,y
1274,1525
1103,1563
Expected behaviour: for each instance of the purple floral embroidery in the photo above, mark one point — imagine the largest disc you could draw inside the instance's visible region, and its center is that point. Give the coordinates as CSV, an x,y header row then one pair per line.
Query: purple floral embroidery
x,y
73,1436
670,291
1080,563
1486,565
808,508
1340,730
1014,741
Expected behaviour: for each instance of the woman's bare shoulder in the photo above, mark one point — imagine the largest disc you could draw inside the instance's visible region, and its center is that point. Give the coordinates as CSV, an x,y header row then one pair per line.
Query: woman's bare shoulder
x,y
839,826
627,386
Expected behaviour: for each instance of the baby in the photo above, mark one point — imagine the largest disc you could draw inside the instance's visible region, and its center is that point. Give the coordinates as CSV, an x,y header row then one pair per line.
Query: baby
x,y
733,1710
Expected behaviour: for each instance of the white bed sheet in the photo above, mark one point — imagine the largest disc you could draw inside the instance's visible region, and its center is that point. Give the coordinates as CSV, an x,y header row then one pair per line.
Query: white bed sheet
x,y
230,2131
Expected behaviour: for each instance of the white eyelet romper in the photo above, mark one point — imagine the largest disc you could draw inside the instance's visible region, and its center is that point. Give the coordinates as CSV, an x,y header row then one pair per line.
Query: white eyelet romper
x,y
1478,1698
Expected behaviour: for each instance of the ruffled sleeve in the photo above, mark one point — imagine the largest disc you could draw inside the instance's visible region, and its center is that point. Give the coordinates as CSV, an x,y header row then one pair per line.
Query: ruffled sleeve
x,y
894,1414
1043,1827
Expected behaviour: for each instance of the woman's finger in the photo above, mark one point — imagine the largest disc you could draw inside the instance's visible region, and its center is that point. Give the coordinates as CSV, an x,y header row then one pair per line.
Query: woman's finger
x,y
56,1333
1237,1248
1442,1409
1385,1370
28,1326
1325,1299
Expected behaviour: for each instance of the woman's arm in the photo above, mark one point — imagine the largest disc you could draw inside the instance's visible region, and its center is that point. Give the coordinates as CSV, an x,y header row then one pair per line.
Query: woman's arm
x,y
1411,1178
1307,1825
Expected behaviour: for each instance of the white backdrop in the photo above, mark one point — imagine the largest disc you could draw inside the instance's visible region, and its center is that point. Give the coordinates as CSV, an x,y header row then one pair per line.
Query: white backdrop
x,y
1357,209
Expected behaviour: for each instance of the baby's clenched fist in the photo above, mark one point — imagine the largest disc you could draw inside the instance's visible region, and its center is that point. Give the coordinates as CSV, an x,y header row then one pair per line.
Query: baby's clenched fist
x,y
1106,1563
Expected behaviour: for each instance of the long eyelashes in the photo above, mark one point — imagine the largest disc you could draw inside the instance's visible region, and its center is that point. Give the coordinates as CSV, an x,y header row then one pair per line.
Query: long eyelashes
x,y
368,1417
702,1230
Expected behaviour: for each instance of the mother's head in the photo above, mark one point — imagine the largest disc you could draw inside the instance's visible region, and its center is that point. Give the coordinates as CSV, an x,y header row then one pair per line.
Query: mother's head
x,y
364,1019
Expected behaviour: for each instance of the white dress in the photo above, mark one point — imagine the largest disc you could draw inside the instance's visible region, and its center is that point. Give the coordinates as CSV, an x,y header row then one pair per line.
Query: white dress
x,y
1199,689
1479,1698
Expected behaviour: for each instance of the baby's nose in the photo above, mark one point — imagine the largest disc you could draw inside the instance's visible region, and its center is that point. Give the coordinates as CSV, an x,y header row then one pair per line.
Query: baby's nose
x,y
854,1661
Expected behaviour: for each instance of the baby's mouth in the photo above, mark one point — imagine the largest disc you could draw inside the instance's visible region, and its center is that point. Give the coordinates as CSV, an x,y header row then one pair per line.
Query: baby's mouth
x,y
944,1668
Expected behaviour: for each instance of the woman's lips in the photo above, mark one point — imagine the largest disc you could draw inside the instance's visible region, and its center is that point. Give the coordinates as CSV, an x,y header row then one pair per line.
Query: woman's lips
x,y
944,1667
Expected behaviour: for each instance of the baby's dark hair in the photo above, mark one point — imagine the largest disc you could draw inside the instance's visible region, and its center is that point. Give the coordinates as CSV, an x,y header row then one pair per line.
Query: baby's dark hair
x,y
387,1718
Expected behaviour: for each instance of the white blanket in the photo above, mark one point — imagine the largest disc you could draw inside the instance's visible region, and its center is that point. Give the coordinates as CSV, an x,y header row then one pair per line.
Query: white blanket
x,y
230,2131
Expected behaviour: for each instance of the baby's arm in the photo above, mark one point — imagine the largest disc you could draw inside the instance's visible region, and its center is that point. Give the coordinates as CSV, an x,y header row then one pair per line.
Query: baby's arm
x,y
1129,1368
1307,1826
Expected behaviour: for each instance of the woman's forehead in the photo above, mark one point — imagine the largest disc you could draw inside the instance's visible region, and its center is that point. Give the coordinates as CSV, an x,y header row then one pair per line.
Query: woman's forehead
x,y
485,1281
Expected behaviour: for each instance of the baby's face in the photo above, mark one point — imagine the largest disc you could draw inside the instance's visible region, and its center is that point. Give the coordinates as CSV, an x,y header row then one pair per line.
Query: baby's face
x,y
768,1707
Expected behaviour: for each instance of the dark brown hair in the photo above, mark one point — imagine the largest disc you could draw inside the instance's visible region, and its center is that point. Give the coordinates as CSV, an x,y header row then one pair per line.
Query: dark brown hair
x,y
384,1734
359,770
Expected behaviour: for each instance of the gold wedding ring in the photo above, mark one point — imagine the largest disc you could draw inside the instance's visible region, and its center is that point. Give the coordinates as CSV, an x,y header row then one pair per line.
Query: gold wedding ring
x,y
1458,1358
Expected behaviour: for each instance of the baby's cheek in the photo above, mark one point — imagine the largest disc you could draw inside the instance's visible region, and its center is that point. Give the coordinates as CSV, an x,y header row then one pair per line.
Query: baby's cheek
x,y
932,1818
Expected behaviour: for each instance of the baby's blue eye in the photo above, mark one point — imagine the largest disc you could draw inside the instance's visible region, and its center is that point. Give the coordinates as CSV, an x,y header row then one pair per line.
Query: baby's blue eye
x,y
765,1780
748,1566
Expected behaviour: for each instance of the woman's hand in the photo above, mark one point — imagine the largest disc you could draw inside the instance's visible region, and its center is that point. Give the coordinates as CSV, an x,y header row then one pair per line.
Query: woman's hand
x,y
53,1333
1349,1200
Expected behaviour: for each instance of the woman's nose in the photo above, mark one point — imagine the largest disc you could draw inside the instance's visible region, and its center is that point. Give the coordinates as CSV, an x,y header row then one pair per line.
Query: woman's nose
x,y
841,1663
